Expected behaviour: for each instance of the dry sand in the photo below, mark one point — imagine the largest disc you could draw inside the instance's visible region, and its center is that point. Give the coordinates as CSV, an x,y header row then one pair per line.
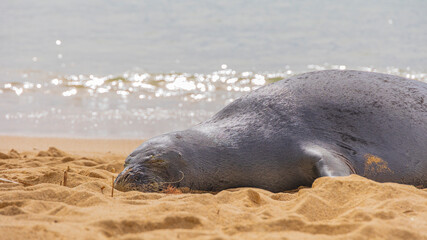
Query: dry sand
x,y
38,207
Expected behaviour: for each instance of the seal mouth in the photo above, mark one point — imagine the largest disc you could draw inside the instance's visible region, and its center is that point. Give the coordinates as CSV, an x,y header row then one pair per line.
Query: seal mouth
x,y
148,187
133,179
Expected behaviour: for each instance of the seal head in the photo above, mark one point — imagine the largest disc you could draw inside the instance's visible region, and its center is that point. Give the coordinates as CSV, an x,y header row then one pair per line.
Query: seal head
x,y
151,167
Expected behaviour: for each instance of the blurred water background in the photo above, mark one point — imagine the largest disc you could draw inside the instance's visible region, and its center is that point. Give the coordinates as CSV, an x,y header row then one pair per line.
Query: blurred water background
x,y
135,69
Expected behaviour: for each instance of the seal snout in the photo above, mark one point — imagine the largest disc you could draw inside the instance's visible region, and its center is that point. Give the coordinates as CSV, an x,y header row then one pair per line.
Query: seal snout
x,y
133,179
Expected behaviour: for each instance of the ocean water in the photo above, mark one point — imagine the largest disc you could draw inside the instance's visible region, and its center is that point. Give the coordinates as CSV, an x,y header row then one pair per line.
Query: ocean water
x,y
135,69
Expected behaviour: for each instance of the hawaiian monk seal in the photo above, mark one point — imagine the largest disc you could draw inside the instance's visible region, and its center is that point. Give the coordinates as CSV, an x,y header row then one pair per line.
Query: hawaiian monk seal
x,y
287,134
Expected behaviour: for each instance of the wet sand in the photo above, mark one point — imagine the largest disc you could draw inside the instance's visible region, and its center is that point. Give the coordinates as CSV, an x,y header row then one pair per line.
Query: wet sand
x,y
37,206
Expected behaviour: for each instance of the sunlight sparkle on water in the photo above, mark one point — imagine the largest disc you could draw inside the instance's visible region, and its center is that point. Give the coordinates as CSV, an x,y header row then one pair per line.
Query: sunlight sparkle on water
x,y
70,92
186,86
156,102
18,91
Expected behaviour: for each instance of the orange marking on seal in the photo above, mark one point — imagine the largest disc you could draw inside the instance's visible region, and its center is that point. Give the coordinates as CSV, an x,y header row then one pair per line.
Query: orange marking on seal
x,y
375,165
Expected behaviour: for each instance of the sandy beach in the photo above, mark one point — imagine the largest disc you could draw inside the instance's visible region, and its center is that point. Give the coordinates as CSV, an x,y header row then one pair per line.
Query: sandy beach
x,y
34,205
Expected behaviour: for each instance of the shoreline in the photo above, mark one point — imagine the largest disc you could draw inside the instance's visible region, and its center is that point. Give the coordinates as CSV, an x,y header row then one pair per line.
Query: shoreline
x,y
70,145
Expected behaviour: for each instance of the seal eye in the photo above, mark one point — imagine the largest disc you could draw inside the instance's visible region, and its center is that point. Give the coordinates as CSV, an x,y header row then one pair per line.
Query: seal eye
x,y
127,161
156,161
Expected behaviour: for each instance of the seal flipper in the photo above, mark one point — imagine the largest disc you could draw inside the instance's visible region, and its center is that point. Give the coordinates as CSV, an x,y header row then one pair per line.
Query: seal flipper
x,y
326,163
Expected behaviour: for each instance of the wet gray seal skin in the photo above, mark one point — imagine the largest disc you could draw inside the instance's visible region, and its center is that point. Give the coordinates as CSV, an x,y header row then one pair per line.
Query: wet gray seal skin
x,y
287,134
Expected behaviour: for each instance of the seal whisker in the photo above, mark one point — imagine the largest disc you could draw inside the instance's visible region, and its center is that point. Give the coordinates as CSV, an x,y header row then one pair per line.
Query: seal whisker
x,y
182,178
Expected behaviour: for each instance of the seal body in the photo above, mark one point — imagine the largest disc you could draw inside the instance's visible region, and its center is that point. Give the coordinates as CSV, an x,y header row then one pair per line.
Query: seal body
x,y
286,134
